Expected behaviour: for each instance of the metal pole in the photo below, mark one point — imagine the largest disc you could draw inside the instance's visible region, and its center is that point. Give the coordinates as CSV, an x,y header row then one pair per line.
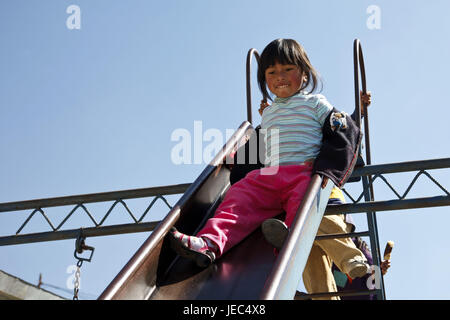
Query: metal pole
x,y
94,197
349,208
389,205
366,180
374,240
397,167
73,233
347,293
248,81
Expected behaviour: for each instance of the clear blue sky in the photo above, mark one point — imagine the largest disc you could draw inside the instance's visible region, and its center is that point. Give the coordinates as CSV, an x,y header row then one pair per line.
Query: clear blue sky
x,y
93,110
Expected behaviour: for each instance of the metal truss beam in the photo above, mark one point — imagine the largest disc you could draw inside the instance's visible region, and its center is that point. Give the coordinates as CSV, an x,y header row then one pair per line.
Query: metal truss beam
x,y
376,171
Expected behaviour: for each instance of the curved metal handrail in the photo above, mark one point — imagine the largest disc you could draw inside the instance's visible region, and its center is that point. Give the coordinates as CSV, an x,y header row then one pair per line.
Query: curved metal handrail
x,y
371,218
358,62
251,52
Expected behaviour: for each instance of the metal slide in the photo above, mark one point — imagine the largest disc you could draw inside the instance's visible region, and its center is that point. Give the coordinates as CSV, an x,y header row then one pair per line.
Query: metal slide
x,y
250,270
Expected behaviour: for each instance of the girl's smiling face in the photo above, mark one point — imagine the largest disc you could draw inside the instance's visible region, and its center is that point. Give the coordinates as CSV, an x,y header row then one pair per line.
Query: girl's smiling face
x,y
284,80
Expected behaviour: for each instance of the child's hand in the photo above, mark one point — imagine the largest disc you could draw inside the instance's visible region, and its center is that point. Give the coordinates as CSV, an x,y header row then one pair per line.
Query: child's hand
x,y
385,265
264,104
366,99
324,182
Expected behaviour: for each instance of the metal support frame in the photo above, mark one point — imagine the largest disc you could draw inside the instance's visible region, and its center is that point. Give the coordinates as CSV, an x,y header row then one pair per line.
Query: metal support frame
x,y
358,205
79,202
373,234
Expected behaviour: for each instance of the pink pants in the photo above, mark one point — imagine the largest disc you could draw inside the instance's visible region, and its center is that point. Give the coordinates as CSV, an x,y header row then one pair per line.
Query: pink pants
x,y
254,199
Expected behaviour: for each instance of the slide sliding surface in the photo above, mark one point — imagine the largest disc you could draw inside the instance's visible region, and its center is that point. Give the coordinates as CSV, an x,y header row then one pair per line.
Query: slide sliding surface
x,y
156,272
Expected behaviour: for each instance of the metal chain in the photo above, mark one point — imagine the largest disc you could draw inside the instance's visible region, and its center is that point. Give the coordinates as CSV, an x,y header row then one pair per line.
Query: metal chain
x,y
76,287
80,246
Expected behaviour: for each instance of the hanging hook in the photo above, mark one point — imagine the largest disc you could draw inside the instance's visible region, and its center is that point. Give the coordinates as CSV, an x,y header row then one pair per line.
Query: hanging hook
x,y
80,246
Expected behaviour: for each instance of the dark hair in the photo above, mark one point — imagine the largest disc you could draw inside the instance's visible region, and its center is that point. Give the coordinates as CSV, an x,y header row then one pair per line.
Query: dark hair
x,y
286,51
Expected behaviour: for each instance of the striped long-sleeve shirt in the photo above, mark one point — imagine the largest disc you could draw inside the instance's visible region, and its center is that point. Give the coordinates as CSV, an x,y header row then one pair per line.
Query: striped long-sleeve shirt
x,y
293,128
